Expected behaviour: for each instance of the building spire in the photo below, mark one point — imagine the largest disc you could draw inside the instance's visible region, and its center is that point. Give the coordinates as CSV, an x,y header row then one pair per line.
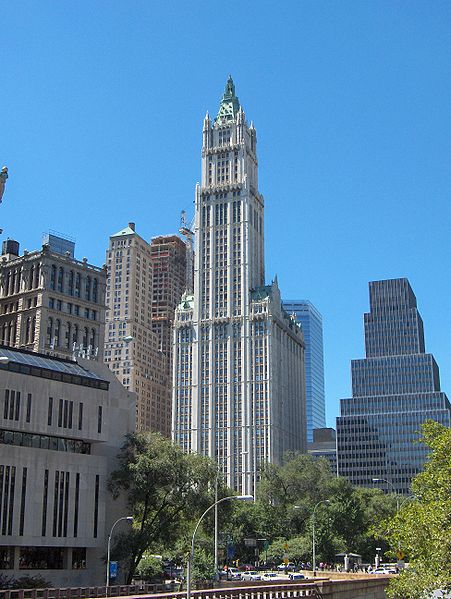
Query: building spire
x,y
229,105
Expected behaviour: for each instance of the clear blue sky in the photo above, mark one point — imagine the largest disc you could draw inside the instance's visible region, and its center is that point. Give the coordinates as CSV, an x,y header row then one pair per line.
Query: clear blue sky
x,y
101,115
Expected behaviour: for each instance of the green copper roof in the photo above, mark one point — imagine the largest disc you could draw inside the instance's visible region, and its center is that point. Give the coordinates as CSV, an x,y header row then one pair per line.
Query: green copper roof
x,y
229,104
126,231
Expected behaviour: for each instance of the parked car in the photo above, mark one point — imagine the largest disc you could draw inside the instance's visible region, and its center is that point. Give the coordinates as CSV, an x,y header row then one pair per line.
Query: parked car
x,y
251,575
296,576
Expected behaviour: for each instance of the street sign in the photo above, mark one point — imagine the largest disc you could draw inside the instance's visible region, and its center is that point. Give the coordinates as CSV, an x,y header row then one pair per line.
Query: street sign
x,y
400,554
113,569
250,542
285,558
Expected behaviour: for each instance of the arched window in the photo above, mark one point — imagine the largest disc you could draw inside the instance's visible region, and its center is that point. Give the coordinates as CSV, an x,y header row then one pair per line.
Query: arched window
x,y
8,279
68,332
71,282
49,330
85,337
77,284
19,276
61,279
37,273
95,291
33,329
13,282
10,333
92,342
28,330
53,277
57,332
13,333
31,277
4,329
88,289
75,335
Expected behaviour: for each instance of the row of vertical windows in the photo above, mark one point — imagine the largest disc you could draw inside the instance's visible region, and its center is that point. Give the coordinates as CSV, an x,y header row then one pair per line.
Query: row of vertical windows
x,y
89,291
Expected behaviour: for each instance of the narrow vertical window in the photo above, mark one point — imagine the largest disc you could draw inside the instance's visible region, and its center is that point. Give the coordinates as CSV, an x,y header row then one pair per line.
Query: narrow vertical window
x,y
61,504
28,417
55,502
44,503
50,412
6,405
12,397
11,500
66,503
71,409
60,413
77,497
96,505
16,415
22,502
80,416
65,413
99,420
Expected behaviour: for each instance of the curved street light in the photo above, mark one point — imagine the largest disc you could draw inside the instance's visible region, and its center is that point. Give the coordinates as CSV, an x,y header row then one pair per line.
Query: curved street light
x,y
218,474
130,519
191,555
327,501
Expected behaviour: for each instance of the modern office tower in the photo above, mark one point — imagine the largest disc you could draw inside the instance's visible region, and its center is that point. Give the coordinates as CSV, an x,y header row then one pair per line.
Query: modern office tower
x,y
168,260
394,390
312,327
50,302
62,423
239,385
324,445
133,350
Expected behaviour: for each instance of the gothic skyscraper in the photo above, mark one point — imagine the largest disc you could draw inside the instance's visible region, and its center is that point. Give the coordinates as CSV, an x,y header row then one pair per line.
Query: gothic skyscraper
x,y
239,383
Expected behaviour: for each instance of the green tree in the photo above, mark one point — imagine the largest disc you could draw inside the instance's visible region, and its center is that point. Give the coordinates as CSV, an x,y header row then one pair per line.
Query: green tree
x,y
165,489
422,527
149,567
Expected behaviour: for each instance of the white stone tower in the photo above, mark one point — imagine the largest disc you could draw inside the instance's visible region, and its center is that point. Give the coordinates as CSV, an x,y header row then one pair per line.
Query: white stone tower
x,y
239,383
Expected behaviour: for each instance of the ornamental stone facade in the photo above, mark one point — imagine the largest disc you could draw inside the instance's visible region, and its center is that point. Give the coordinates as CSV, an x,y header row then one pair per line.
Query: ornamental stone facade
x,y
239,380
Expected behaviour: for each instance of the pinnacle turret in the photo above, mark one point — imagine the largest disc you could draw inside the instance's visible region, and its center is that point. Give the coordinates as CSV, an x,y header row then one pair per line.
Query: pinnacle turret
x,y
229,105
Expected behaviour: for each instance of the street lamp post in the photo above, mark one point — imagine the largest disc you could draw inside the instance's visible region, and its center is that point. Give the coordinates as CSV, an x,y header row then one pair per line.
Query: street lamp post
x,y
130,519
191,555
327,501
384,480
224,460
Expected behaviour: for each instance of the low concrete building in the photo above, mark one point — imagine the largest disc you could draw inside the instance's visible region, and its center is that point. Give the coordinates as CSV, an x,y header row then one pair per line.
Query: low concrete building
x,y
61,425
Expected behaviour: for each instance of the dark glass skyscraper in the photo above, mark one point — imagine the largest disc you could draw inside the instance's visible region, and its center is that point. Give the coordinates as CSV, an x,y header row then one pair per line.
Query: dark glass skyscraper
x,y
394,390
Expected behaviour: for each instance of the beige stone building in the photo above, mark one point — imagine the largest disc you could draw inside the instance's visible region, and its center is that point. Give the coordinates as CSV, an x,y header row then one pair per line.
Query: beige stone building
x,y
61,425
50,302
132,349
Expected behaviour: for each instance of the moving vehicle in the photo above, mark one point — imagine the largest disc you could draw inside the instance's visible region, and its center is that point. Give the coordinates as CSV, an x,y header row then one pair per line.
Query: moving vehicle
x,y
286,567
251,575
296,576
270,576
230,574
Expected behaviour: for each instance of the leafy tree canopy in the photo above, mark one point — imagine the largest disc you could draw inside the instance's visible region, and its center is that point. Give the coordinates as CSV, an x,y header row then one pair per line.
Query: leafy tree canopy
x,y
422,527
165,489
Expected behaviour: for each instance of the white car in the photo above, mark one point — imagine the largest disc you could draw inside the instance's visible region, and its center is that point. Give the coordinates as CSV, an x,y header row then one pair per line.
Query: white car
x,y
251,575
296,576
270,576
231,574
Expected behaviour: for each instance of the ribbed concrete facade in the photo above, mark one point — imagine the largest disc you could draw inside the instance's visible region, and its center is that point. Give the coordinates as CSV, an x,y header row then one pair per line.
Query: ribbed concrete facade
x,y
239,384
